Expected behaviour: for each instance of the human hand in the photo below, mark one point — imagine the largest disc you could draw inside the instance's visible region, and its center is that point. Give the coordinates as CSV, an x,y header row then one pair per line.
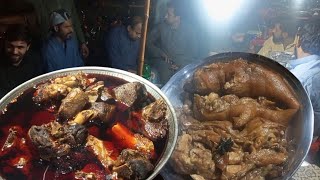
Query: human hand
x,y
165,57
174,67
84,50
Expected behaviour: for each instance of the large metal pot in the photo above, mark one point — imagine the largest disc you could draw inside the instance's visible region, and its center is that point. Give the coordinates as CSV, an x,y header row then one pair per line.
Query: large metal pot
x,y
300,131
151,88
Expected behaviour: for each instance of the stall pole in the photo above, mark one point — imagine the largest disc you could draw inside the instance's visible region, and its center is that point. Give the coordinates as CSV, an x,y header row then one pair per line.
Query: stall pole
x,y
144,37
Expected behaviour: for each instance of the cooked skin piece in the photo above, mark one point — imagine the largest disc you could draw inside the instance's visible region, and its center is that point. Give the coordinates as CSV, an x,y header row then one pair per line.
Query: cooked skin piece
x,y
243,79
240,111
131,164
130,94
72,104
55,140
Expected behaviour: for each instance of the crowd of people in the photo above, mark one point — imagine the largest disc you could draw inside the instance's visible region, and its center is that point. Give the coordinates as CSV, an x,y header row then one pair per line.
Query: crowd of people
x,y
171,45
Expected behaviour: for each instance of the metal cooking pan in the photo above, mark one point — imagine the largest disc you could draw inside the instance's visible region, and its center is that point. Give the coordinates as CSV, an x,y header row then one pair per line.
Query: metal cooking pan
x,y
300,130
101,71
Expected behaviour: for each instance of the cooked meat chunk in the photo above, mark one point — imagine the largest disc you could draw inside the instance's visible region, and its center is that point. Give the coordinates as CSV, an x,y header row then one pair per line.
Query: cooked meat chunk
x,y
192,158
90,172
130,94
105,111
98,110
197,177
55,140
131,164
106,95
79,80
94,91
153,121
98,148
155,112
266,157
72,104
236,171
234,157
240,111
47,93
242,79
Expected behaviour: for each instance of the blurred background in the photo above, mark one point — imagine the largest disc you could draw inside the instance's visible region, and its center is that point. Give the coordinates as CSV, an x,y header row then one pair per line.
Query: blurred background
x,y
234,25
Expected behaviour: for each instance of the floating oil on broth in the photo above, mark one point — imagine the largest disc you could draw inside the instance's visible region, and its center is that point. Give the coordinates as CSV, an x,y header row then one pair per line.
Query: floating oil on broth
x,y
24,113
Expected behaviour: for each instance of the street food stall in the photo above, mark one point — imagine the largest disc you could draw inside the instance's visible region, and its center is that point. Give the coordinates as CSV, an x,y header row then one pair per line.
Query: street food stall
x,y
230,114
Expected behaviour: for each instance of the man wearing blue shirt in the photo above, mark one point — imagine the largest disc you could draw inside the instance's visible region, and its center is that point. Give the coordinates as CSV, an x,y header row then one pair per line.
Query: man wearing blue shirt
x,y
61,50
122,45
307,67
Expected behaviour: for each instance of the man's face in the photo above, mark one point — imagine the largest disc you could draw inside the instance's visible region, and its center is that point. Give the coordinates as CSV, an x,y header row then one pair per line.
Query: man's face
x,y
135,32
170,17
16,50
277,34
65,30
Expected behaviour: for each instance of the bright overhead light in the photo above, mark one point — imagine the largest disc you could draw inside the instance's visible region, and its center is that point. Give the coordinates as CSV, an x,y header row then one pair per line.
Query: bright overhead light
x,y
221,10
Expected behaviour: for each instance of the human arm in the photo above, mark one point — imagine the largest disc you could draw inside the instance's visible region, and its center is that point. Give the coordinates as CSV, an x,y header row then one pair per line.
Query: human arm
x,y
78,30
154,51
315,100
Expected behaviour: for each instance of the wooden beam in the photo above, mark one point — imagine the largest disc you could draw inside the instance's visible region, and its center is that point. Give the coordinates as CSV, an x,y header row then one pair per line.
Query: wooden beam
x,y
144,37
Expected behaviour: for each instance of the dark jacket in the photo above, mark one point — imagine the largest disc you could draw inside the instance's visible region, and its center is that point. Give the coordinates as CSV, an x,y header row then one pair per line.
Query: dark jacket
x,y
12,76
122,52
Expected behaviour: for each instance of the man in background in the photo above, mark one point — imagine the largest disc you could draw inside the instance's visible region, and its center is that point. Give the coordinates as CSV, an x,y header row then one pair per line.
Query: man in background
x,y
282,39
172,44
307,67
61,50
43,8
122,45
18,63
